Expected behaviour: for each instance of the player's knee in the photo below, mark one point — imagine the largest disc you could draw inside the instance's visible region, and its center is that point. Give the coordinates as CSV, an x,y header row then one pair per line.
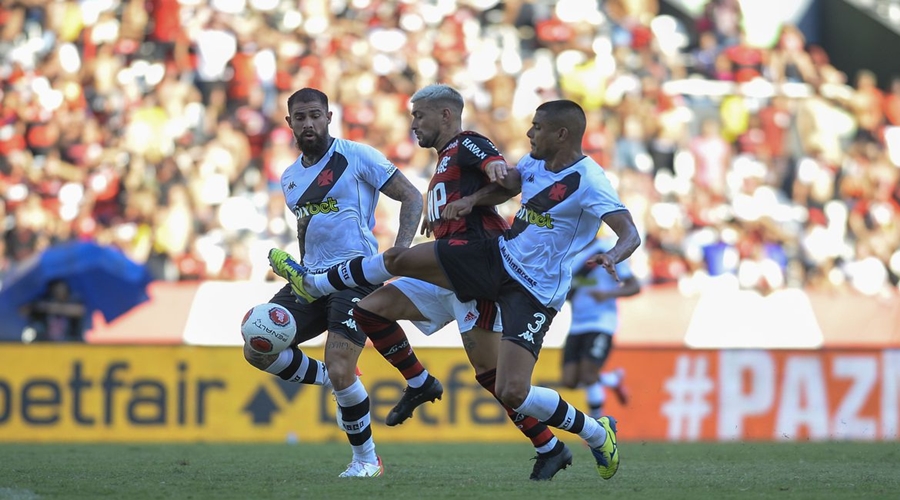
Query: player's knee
x,y
342,373
377,304
479,362
480,366
258,360
392,257
512,394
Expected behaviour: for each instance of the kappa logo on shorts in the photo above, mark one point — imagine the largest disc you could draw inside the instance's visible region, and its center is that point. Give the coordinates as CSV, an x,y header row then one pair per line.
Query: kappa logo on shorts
x,y
350,323
539,320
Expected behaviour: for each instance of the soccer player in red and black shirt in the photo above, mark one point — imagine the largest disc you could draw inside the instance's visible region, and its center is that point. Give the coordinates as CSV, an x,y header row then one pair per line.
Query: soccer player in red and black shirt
x,y
460,207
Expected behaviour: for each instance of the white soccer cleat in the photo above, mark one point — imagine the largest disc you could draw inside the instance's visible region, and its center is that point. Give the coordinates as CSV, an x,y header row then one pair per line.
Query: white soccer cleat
x,y
363,469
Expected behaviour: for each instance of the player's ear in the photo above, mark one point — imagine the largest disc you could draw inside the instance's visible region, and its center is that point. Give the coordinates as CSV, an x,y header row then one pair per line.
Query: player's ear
x,y
328,115
288,120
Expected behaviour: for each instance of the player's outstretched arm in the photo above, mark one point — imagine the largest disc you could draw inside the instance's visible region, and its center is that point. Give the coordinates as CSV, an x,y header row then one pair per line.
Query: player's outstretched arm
x,y
401,189
628,240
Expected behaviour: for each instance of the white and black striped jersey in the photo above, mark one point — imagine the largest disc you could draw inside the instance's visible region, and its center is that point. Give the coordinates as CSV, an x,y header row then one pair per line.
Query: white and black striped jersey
x,y
560,215
338,194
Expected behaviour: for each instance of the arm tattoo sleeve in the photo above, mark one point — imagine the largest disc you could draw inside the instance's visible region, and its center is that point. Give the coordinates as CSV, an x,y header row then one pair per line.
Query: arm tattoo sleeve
x,y
409,224
411,203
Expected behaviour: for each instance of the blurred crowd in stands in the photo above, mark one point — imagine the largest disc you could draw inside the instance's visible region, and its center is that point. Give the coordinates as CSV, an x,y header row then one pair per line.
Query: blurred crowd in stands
x,y
158,126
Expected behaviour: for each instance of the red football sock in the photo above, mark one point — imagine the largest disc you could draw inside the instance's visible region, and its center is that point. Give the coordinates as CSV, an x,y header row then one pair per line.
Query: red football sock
x,y
390,340
534,429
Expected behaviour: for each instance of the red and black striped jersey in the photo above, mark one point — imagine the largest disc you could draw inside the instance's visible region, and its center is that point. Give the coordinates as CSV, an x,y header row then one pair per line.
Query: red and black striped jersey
x,y
458,174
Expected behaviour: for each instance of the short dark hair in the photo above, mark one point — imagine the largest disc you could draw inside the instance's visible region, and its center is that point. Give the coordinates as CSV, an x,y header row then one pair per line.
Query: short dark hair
x,y
565,113
308,95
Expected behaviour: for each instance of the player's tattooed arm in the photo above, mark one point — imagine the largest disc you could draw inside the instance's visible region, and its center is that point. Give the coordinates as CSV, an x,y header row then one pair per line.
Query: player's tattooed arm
x,y
302,224
399,188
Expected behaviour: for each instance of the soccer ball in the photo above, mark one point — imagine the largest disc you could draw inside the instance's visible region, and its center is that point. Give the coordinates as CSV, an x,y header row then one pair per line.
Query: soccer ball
x,y
268,328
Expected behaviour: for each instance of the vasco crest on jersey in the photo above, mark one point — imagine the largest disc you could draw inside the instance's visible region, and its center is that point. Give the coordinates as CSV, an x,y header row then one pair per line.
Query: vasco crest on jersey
x,y
536,210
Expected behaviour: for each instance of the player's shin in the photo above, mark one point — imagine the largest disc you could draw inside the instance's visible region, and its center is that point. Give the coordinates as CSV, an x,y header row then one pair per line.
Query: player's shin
x,y
391,342
356,421
548,406
536,431
360,271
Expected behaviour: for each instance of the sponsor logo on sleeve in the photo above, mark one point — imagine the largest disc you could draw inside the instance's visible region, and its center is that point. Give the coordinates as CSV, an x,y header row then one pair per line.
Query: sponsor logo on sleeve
x,y
471,146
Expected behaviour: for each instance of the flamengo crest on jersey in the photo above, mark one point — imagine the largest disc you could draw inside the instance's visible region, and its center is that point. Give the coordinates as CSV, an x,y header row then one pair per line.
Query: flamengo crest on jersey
x,y
560,215
338,196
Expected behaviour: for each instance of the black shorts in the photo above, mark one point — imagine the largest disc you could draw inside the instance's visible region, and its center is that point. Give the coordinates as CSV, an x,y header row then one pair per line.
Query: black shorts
x,y
475,271
329,313
593,346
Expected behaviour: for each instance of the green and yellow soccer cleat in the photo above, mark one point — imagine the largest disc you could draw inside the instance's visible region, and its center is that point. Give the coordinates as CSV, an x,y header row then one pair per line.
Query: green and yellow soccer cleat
x,y
607,454
285,266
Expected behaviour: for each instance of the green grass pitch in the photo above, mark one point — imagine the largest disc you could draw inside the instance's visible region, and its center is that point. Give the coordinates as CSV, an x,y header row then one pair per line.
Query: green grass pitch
x,y
437,471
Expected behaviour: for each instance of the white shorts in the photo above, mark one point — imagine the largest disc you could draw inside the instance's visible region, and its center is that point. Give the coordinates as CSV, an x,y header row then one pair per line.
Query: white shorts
x,y
440,306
